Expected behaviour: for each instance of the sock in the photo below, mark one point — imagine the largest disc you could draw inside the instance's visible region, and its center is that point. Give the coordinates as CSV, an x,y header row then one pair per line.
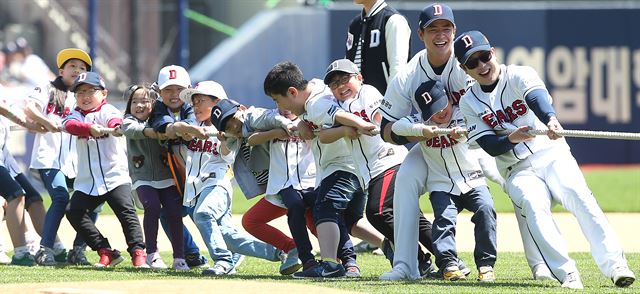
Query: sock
x,y
20,251
330,259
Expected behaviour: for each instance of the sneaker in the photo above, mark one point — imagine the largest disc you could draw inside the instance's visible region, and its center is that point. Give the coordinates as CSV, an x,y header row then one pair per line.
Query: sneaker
x,y
324,269
387,250
290,262
309,264
180,264
139,259
463,267
154,260
452,273
45,257
76,256
364,246
60,257
427,269
237,259
394,275
109,257
217,269
4,258
196,260
25,260
572,281
623,277
352,271
541,272
486,274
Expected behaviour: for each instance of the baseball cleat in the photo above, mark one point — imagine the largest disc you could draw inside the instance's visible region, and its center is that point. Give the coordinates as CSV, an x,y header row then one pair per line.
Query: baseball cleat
x,y
486,274
453,273
623,277
541,272
572,281
394,275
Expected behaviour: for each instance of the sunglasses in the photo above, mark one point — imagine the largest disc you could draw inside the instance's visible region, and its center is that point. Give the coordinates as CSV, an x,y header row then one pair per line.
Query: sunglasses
x,y
340,81
484,57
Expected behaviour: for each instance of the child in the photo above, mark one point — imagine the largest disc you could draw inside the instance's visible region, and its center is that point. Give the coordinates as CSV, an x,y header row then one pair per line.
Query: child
x,y
339,193
208,190
455,181
169,109
378,161
152,180
102,172
290,183
54,152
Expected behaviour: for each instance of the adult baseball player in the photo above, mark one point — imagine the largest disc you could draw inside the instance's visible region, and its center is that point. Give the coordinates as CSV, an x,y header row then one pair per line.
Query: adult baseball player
x,y
436,63
503,104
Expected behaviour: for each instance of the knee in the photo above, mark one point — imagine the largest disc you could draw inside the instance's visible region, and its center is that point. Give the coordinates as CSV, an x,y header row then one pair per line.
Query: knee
x,y
200,217
324,212
248,222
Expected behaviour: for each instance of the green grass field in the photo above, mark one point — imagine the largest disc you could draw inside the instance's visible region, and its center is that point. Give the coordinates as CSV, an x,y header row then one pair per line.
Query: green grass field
x,y
511,269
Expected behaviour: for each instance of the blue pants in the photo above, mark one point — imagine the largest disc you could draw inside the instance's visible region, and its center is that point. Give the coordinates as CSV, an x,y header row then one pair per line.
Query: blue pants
x,y
446,208
56,184
297,202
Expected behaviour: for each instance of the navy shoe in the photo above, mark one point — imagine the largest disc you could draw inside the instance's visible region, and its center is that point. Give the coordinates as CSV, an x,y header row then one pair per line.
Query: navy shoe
x,y
324,269
387,249
196,260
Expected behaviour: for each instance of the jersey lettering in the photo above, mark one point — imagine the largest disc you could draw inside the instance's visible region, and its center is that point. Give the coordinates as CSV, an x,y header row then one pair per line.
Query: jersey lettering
x,y
441,141
511,113
173,74
455,96
311,125
362,114
375,38
437,9
204,146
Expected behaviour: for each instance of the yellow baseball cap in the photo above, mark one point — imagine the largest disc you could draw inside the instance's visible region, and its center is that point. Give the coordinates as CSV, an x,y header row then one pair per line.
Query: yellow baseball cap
x,y
73,53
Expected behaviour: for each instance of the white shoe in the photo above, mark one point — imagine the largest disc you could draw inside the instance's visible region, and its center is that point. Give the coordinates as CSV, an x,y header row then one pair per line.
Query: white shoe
x,y
541,272
623,277
180,264
4,258
572,281
155,261
394,275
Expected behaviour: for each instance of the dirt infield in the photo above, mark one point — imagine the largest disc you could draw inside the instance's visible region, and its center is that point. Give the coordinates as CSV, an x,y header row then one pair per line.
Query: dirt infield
x,y
166,286
508,234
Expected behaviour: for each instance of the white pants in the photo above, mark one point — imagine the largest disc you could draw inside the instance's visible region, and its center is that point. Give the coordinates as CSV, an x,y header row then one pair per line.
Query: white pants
x,y
554,175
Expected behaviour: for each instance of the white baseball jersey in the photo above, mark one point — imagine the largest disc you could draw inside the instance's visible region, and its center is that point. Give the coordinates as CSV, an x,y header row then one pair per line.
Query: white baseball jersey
x,y
404,88
54,150
371,154
320,109
503,110
452,166
205,166
6,158
291,164
102,162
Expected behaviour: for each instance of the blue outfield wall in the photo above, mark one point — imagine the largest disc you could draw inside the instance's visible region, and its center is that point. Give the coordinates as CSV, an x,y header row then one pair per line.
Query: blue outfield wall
x,y
589,58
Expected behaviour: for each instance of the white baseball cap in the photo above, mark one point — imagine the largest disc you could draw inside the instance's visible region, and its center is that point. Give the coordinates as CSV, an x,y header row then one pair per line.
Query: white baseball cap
x,y
173,75
209,88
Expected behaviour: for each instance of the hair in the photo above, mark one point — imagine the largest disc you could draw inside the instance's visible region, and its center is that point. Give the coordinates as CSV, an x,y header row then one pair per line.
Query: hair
x,y
282,76
148,92
85,64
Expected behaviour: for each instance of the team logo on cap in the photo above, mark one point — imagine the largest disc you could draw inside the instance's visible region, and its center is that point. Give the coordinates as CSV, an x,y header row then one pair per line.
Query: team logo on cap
x,y
82,77
467,41
217,112
173,74
437,9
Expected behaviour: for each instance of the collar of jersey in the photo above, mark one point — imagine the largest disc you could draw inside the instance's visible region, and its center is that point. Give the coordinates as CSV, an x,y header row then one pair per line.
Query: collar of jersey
x,y
85,112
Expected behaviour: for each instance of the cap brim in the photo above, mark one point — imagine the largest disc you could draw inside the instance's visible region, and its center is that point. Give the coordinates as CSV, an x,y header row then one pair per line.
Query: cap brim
x,y
474,50
327,77
67,54
431,21
186,94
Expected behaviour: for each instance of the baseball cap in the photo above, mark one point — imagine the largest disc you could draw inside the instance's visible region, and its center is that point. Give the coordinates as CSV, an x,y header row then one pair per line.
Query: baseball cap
x,y
73,53
340,65
209,88
468,43
435,98
435,12
91,78
222,112
173,75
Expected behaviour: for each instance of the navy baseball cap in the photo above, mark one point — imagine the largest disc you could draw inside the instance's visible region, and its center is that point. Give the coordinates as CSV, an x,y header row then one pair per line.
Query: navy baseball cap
x,y
431,98
340,65
435,12
222,112
91,78
468,43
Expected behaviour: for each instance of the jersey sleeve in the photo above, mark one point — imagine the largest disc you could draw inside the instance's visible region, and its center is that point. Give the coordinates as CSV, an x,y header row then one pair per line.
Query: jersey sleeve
x,y
397,35
524,80
475,125
108,114
396,103
371,100
322,112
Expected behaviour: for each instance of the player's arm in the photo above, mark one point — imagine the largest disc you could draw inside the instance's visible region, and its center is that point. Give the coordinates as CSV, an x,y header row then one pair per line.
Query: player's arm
x,y
136,130
539,102
187,131
412,126
261,137
33,112
349,119
397,35
388,135
19,119
331,135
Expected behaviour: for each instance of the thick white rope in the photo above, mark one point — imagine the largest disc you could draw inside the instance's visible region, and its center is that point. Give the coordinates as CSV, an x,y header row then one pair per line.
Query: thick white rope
x,y
569,133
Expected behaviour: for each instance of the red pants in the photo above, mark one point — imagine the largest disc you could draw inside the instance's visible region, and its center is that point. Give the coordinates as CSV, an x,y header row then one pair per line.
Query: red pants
x,y
255,222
